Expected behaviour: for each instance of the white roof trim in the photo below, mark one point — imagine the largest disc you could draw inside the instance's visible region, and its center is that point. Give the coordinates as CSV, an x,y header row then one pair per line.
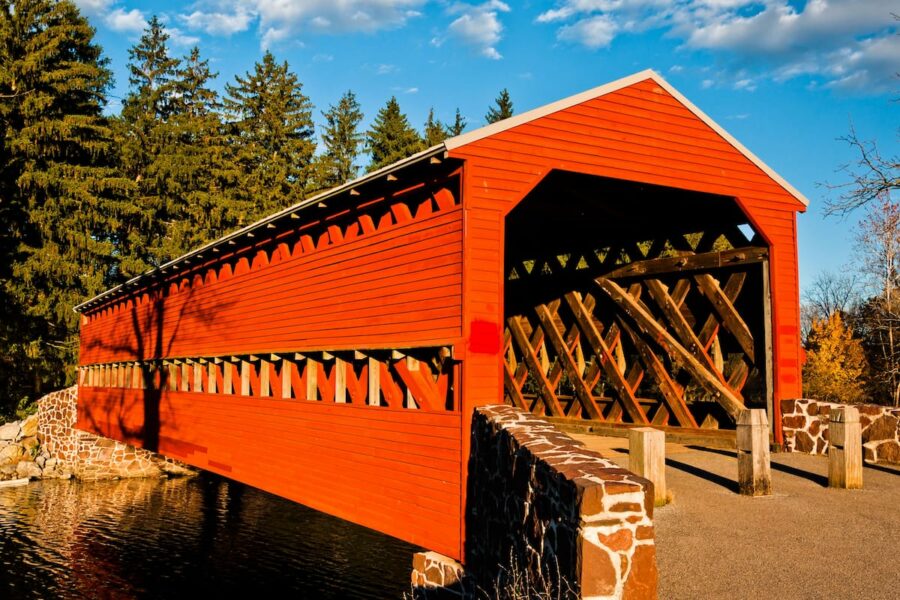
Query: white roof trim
x,y
526,117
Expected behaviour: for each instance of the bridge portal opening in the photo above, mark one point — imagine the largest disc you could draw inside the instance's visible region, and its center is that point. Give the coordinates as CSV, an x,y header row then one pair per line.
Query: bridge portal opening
x,y
637,304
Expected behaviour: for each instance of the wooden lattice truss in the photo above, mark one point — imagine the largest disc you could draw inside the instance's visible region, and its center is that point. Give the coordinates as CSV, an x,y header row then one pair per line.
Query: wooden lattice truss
x,y
634,346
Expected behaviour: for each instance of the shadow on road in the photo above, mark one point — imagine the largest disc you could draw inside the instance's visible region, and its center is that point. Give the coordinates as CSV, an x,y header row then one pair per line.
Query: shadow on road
x,y
728,484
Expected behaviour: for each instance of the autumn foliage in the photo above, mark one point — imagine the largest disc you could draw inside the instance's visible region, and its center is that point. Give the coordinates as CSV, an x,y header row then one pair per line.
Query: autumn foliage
x,y
835,365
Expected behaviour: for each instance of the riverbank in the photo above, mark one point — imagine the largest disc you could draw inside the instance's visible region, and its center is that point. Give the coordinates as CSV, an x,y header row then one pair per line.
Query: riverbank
x,y
47,445
22,456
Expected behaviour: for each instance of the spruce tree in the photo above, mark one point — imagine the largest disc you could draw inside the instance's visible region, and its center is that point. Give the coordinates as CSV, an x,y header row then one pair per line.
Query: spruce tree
x,y
342,140
458,125
61,199
502,109
202,180
272,134
434,133
391,138
144,132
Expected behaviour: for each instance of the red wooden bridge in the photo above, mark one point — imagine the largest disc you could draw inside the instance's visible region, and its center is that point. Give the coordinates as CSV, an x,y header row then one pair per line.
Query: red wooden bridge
x,y
615,257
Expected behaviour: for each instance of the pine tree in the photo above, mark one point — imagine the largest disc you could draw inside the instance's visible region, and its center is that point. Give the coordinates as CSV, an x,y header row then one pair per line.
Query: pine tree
x,y
434,132
144,131
61,199
391,138
272,132
201,177
458,125
503,108
342,140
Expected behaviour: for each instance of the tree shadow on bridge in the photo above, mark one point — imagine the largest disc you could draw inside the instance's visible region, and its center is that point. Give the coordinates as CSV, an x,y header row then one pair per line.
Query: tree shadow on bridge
x,y
153,333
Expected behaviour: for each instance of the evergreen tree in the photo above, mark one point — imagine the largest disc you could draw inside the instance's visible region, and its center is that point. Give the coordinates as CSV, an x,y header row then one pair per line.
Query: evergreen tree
x,y
502,109
61,199
435,133
458,125
391,138
144,131
199,167
342,140
272,134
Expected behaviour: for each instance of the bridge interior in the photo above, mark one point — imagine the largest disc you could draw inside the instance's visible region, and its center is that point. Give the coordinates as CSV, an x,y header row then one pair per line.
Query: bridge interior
x,y
634,303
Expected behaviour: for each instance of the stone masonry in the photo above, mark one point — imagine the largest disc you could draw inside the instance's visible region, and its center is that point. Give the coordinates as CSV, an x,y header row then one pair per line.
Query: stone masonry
x,y
805,424
88,456
542,504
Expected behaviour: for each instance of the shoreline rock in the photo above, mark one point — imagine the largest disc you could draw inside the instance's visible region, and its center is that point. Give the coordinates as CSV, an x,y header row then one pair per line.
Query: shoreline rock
x,y
46,445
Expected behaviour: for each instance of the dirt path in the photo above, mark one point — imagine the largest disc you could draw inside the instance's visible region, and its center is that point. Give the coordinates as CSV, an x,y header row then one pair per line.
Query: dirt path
x,y
805,541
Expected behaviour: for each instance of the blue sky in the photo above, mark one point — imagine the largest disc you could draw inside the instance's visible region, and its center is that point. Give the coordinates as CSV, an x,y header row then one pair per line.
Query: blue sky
x,y
784,77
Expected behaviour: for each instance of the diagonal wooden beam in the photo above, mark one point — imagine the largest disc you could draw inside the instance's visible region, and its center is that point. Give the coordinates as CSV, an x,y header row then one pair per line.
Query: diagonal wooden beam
x,y
551,402
731,290
673,394
731,319
564,355
683,330
514,391
602,351
648,325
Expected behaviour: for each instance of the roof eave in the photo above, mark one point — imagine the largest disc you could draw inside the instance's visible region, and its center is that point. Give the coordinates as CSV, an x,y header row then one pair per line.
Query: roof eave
x,y
427,154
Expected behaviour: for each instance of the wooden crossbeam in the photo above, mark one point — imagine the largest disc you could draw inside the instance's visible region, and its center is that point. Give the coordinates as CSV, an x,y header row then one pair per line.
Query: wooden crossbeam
x,y
683,330
689,262
564,355
551,402
649,326
673,394
731,290
731,319
602,351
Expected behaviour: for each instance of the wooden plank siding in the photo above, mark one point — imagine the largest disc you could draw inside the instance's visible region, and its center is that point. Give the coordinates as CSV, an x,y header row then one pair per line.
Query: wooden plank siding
x,y
397,471
417,264
400,288
638,133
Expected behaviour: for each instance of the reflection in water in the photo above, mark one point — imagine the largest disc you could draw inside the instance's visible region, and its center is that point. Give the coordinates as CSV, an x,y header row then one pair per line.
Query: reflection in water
x,y
176,538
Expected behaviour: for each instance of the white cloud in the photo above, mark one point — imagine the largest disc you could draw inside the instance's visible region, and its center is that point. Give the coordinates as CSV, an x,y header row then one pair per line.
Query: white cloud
x,y
93,7
844,43
593,32
131,21
478,26
218,23
180,38
278,20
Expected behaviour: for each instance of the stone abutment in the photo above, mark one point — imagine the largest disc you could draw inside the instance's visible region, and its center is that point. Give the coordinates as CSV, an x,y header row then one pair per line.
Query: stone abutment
x,y
543,509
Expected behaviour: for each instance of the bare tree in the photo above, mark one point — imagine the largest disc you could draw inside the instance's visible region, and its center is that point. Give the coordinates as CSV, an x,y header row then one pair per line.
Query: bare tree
x,y
832,292
871,177
878,257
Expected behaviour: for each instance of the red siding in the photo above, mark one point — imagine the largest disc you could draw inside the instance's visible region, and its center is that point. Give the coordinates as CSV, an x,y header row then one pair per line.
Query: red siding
x,y
400,287
397,471
639,133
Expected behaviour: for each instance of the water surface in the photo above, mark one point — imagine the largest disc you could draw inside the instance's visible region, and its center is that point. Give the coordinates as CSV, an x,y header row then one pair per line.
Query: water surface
x,y
178,538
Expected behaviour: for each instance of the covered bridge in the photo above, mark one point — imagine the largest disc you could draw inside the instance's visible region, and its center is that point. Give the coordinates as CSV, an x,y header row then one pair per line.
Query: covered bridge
x,y
614,256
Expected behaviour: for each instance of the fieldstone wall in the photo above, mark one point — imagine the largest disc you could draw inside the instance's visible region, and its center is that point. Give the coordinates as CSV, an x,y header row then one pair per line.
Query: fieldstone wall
x,y
47,445
543,508
805,424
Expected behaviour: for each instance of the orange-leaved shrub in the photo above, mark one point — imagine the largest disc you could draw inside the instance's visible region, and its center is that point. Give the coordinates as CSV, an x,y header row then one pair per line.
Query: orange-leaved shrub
x,y
835,367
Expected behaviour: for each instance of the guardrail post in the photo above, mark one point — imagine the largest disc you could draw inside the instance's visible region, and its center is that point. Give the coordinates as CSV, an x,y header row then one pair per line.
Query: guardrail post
x,y
845,449
754,469
647,458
